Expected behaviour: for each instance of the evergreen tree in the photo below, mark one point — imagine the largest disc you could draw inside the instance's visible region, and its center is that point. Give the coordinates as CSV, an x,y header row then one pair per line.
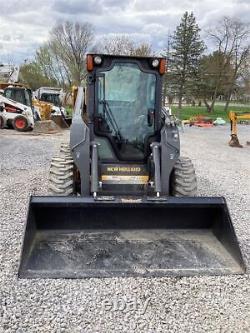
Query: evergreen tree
x,y
186,50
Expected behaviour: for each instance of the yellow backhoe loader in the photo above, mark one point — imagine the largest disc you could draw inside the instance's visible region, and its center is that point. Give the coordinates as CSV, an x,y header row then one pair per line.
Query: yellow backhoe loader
x,y
234,117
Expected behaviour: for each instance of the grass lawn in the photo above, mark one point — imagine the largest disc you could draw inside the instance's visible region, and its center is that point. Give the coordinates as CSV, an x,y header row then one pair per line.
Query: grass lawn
x,y
189,111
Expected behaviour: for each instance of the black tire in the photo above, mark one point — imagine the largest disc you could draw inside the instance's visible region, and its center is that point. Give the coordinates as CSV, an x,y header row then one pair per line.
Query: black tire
x,y
2,122
61,173
183,179
20,124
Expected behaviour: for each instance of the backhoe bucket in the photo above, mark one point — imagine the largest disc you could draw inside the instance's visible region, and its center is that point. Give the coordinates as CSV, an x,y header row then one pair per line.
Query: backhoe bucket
x,y
234,141
81,237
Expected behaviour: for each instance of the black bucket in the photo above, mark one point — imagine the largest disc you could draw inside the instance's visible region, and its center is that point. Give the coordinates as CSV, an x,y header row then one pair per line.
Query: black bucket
x,y
79,237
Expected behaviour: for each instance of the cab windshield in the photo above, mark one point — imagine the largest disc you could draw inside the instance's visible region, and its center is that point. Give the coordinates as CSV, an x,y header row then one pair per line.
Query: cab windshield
x,y
51,98
126,105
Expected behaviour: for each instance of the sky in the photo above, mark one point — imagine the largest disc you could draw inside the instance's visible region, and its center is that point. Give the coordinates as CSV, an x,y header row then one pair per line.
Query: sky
x,y
25,24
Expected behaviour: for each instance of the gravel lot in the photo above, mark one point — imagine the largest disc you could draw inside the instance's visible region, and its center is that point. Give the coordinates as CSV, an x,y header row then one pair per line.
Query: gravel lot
x,y
197,304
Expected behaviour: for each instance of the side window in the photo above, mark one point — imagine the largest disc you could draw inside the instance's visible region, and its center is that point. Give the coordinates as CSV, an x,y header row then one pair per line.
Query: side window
x,y
27,98
101,93
7,93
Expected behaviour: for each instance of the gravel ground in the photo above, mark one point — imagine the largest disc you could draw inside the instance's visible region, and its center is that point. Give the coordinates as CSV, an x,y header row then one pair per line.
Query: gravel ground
x,y
194,304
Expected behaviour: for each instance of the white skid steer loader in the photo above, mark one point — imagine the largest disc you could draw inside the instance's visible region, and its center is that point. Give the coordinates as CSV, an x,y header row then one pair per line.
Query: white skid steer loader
x,y
16,115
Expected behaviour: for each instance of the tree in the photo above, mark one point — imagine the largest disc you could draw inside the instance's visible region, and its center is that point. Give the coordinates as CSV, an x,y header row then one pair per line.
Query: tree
x,y
143,50
245,81
50,65
32,75
186,50
123,45
116,44
231,38
213,76
62,58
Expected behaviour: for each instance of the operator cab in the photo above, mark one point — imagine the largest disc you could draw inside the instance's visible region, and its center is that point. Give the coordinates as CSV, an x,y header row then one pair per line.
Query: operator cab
x,y
51,98
19,94
126,114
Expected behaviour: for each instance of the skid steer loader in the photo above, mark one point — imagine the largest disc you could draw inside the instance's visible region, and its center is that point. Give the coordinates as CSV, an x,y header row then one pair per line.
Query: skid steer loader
x,y
123,200
53,96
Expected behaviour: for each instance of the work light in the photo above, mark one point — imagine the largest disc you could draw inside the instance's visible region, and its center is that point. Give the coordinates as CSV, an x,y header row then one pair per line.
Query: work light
x,y
97,60
155,63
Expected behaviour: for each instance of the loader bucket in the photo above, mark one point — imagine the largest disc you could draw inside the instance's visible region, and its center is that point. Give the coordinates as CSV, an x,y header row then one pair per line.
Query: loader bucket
x,y
61,121
46,127
81,238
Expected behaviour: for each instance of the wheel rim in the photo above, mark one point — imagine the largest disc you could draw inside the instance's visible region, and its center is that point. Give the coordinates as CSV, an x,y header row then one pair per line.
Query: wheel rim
x,y
20,123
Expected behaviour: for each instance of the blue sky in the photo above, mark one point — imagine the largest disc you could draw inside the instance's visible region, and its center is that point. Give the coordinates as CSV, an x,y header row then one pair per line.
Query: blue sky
x,y
25,24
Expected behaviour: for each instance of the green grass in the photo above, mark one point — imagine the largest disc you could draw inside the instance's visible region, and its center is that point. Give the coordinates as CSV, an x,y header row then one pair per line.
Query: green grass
x,y
190,111
69,111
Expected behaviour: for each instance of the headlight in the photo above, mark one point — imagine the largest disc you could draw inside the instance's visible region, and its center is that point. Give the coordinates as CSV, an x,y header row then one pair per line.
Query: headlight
x,y
155,63
97,60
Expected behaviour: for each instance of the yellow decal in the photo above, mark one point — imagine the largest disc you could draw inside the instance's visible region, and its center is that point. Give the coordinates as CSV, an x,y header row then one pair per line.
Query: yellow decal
x,y
130,200
123,169
125,179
